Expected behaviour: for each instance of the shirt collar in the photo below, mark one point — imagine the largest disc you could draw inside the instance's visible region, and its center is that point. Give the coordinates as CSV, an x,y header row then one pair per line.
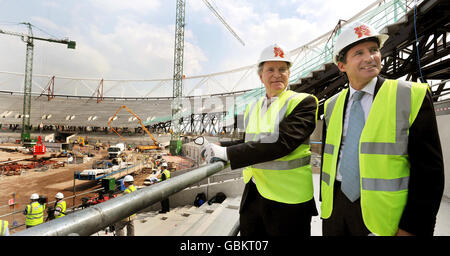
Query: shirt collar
x,y
369,88
272,99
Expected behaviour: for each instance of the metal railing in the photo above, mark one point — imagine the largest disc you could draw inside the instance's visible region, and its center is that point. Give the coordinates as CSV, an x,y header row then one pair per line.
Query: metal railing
x,y
98,217
20,211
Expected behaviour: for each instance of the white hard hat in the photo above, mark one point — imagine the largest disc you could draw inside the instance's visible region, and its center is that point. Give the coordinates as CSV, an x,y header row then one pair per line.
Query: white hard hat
x,y
59,195
128,178
164,164
353,33
275,52
34,196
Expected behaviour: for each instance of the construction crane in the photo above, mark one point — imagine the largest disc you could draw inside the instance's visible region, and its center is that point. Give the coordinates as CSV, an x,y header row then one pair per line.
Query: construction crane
x,y
175,142
141,148
28,39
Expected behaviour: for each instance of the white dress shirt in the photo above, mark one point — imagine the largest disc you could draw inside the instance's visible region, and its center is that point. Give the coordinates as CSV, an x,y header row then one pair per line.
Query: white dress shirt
x,y
366,103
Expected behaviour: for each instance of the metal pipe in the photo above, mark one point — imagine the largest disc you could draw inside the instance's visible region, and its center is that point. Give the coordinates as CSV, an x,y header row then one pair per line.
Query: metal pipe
x,y
98,217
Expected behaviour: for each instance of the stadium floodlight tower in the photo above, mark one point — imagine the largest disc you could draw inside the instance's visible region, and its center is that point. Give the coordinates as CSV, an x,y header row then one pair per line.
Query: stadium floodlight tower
x,y
28,39
175,142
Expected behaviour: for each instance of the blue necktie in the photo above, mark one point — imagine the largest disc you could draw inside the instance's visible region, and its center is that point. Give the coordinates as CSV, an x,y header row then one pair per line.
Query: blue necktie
x,y
349,166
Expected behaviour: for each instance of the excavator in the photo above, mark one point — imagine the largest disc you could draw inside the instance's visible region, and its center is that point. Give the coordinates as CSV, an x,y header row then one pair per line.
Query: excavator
x,y
140,147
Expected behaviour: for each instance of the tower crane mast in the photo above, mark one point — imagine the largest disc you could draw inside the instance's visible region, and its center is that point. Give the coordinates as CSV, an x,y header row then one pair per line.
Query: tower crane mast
x,y
175,142
29,40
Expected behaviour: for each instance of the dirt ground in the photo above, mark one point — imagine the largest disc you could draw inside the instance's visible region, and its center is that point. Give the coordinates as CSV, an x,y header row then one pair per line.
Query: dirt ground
x,y
50,182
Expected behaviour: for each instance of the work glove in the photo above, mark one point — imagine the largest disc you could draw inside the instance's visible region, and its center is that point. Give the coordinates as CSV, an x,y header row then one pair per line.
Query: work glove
x,y
213,153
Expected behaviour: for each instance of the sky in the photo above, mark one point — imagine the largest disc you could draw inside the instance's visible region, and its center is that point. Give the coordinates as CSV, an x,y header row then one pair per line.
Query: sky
x,y
134,39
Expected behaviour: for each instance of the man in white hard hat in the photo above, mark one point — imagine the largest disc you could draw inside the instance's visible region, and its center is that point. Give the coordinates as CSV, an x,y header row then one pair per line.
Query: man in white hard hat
x,y
60,205
34,212
128,222
278,196
382,167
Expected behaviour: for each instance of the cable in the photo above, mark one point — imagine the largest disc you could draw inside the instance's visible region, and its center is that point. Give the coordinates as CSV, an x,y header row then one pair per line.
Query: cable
x,y
417,48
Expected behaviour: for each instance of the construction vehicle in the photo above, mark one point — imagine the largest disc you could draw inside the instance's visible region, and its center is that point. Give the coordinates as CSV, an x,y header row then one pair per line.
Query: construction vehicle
x,y
116,150
39,148
140,147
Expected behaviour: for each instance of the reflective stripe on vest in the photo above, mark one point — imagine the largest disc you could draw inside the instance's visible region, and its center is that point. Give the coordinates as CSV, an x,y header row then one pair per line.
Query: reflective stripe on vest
x,y
403,111
283,165
35,214
384,165
249,110
130,189
292,171
385,184
267,137
400,147
61,205
3,226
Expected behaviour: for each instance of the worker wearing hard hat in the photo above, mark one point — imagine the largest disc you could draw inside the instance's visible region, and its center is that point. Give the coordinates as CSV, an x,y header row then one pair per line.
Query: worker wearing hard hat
x,y
60,205
34,212
165,174
4,230
278,196
382,165
129,221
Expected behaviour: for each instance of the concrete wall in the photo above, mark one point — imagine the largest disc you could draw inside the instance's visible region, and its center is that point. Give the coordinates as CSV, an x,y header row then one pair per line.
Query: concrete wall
x,y
192,151
231,188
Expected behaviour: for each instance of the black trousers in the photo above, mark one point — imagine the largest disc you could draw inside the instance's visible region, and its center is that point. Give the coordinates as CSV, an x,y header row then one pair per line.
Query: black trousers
x,y
346,218
165,205
263,217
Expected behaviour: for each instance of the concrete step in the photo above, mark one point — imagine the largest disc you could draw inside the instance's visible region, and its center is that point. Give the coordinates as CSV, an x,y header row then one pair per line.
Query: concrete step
x,y
160,224
210,216
226,222
214,219
189,221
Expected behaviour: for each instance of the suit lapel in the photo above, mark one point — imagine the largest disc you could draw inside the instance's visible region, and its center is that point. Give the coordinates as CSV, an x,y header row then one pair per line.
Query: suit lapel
x,y
380,81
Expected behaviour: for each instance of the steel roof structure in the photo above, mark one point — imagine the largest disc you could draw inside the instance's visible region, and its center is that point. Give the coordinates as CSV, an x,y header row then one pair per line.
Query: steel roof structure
x,y
214,101
399,53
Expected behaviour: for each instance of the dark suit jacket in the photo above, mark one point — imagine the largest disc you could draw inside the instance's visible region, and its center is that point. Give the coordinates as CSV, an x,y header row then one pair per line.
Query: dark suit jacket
x,y
426,183
293,131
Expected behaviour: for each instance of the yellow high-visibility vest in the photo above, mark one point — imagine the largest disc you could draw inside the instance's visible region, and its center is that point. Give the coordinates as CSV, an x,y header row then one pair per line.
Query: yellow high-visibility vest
x,y
167,173
3,227
62,206
35,214
383,157
130,189
289,178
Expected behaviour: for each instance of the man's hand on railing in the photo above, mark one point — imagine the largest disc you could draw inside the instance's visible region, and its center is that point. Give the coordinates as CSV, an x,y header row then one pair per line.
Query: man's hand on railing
x,y
213,153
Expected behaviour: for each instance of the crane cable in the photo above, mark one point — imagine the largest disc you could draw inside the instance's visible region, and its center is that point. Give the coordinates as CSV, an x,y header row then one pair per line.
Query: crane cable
x,y
416,43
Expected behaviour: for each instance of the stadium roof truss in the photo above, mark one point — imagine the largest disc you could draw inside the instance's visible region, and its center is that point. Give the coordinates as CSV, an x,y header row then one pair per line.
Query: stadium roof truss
x,y
219,99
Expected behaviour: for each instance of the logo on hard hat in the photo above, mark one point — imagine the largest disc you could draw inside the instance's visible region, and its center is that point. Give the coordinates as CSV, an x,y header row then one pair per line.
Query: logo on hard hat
x,y
362,30
278,52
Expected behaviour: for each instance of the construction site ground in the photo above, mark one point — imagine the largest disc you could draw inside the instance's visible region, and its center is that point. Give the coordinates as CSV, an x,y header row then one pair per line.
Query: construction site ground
x,y
52,181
